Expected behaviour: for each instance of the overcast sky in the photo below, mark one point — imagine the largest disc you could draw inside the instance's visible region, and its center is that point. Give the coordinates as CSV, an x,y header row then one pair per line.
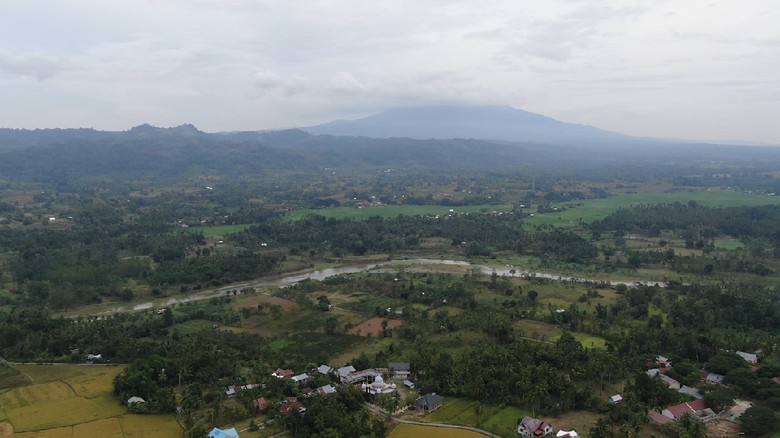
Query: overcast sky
x,y
691,69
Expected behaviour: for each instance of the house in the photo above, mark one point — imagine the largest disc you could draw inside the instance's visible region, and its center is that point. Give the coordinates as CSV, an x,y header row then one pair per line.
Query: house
x,y
326,390
361,376
300,378
749,357
134,400
429,403
290,405
615,399
261,403
663,362
658,419
533,427
567,434
282,373
324,370
693,392
231,392
219,433
666,380
400,370
344,372
715,379
678,411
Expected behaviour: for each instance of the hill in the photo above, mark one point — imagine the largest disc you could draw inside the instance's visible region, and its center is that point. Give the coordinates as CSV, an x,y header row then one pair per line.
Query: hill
x,y
486,123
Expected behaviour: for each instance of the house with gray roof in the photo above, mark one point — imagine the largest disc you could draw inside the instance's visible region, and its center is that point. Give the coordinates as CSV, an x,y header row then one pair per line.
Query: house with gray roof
x,y
429,403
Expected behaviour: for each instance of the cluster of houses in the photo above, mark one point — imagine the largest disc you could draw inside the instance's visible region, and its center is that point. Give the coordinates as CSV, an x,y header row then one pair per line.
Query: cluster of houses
x,y
371,381
696,408
530,426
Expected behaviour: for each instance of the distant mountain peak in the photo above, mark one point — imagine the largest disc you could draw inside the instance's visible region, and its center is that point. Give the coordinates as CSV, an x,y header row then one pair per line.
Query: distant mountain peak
x,y
146,128
502,123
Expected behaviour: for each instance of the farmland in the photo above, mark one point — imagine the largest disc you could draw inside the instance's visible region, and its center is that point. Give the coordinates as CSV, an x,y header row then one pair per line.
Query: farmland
x,y
71,401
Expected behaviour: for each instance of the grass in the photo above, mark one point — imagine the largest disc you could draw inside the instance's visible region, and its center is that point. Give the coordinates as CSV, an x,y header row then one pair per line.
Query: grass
x,y
548,332
67,401
370,346
499,419
728,244
11,378
218,230
392,211
593,209
108,428
415,431
504,421
148,426
69,411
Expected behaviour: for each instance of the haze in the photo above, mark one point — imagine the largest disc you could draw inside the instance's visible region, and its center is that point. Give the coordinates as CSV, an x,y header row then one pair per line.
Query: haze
x,y
699,70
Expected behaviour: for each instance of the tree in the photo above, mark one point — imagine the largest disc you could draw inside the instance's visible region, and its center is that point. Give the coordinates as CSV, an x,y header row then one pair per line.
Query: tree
x,y
720,399
331,324
758,420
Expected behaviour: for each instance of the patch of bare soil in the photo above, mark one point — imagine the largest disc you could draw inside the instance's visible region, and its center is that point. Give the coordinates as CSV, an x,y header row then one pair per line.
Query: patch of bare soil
x,y
266,300
373,327
6,429
722,429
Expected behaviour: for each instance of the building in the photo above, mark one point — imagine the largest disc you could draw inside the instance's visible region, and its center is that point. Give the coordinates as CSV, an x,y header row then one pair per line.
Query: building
x,y
326,390
400,370
529,426
344,372
694,408
261,403
429,403
749,357
282,373
135,400
219,433
378,387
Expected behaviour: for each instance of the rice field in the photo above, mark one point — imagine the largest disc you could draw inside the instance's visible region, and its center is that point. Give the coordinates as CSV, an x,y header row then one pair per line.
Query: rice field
x,y
69,401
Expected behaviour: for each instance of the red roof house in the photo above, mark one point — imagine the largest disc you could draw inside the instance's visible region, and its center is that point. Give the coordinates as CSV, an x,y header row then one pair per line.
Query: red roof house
x,y
261,403
678,411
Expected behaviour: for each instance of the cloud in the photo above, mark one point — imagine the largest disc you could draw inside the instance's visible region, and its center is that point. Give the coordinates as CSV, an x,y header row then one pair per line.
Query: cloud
x,y
345,83
35,65
267,81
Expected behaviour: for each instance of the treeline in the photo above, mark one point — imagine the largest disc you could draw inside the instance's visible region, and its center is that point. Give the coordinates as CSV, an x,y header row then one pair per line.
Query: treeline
x,y
479,234
696,221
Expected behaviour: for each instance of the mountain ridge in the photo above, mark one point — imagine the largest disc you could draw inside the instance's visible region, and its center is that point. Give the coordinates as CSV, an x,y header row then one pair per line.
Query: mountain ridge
x,y
495,123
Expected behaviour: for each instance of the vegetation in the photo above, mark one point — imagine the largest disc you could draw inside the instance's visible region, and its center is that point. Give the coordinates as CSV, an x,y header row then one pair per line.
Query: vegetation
x,y
567,279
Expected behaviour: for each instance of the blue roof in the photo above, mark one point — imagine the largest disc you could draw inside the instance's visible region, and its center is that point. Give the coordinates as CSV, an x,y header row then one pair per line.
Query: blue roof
x,y
219,433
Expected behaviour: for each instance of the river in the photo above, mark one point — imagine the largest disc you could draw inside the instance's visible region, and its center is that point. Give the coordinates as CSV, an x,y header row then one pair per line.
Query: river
x,y
419,265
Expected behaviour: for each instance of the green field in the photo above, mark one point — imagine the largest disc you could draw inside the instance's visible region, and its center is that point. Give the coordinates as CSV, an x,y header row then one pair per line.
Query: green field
x,y
593,209
218,230
501,420
391,211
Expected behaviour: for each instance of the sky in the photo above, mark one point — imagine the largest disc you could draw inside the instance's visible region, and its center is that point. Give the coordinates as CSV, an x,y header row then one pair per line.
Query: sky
x,y
705,70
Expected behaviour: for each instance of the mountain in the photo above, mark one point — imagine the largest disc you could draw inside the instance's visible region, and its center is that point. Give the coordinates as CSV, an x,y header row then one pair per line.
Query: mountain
x,y
500,123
